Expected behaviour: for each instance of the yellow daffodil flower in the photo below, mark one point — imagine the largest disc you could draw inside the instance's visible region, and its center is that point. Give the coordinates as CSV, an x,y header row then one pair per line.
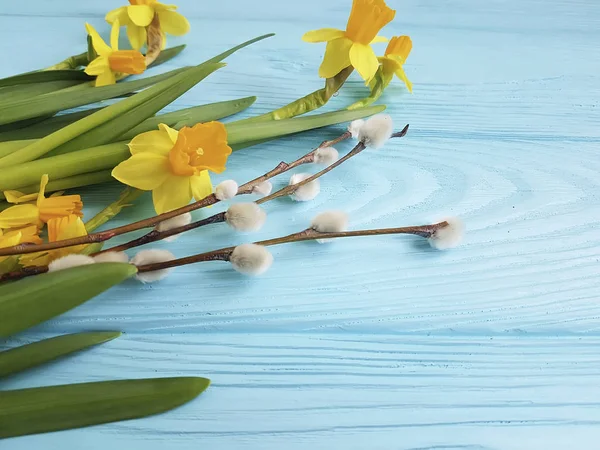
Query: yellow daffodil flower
x,y
352,47
59,228
174,164
10,238
111,60
44,208
139,14
395,56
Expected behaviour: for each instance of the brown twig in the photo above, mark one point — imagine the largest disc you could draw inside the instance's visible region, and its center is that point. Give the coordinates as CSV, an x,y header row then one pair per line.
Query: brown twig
x,y
155,235
104,236
310,234
25,272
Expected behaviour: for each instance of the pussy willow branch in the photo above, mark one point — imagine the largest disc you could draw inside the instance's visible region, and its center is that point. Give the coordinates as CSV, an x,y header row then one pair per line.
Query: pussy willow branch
x,y
155,235
104,236
223,254
310,234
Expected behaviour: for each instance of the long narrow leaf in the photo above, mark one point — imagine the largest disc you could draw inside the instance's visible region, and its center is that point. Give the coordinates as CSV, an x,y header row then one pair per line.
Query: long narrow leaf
x,y
44,76
37,353
62,100
167,55
40,410
62,184
31,301
28,91
157,98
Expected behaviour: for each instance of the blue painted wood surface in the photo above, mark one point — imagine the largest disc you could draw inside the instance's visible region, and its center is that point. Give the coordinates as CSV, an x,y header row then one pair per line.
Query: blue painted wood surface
x,y
375,343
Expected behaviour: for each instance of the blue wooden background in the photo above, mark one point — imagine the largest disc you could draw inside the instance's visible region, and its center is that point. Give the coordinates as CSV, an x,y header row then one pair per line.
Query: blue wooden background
x,y
376,343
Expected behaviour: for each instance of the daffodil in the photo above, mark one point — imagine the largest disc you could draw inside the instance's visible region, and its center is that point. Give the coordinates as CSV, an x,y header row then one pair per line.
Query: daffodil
x,y
396,54
140,13
352,47
10,238
34,208
59,228
174,164
111,60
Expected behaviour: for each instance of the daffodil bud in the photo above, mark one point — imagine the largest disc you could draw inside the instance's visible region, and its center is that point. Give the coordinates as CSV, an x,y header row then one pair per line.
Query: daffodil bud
x,y
449,236
174,222
152,256
263,189
307,191
326,156
376,131
251,259
245,217
110,257
355,127
69,261
226,190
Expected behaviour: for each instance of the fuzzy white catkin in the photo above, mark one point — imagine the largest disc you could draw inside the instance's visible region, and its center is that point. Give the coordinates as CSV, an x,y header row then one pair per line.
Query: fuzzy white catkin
x,y
377,130
174,222
226,190
355,127
152,256
111,257
449,236
245,217
306,192
69,261
326,156
263,189
330,222
251,259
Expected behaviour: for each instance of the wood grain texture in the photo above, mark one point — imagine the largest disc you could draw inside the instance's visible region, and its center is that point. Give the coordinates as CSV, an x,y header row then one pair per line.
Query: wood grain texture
x,y
378,343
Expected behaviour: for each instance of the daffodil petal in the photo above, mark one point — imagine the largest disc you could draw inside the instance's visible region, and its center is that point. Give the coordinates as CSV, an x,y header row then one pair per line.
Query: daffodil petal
x,y
98,66
364,61
379,39
19,197
114,35
201,185
402,75
173,193
322,35
105,78
158,142
145,171
137,36
19,216
173,133
10,239
140,15
119,14
336,57
173,23
97,42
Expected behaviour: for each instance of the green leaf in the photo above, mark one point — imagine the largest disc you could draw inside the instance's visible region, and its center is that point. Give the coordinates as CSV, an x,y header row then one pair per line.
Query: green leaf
x,y
244,131
377,86
40,410
37,353
45,76
8,148
108,156
62,166
29,91
31,301
192,116
127,197
106,125
167,55
92,248
71,98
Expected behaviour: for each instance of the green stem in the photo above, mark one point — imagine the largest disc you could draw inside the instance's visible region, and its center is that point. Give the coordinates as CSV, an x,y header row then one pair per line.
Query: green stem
x,y
72,62
307,103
